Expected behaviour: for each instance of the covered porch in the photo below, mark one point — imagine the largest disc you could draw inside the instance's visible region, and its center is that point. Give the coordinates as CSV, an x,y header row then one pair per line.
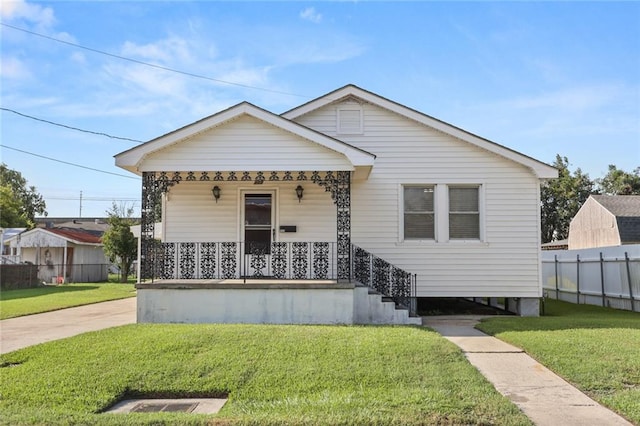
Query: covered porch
x,y
221,226
255,253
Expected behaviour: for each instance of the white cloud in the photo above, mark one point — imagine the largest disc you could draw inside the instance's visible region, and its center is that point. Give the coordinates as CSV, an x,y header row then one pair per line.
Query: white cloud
x,y
79,58
148,81
14,68
577,98
165,50
34,13
310,14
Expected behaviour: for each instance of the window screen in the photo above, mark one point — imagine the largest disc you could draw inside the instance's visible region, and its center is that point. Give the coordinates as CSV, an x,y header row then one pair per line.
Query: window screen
x,y
464,213
418,212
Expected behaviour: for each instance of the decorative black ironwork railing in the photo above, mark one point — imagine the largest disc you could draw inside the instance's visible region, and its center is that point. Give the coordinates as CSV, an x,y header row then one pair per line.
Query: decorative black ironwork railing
x,y
234,260
383,277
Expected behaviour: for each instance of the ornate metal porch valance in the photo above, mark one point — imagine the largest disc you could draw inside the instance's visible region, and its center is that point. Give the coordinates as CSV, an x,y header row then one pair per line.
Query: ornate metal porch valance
x,y
165,180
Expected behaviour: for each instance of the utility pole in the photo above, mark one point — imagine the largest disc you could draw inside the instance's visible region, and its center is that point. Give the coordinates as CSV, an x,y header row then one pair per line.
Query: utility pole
x,y
80,217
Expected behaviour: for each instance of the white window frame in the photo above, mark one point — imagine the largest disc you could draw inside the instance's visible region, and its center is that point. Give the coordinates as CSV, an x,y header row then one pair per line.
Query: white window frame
x,y
435,212
481,209
441,212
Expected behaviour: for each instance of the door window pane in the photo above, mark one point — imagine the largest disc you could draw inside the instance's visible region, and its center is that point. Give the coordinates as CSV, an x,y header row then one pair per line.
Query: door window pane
x,y
257,223
257,210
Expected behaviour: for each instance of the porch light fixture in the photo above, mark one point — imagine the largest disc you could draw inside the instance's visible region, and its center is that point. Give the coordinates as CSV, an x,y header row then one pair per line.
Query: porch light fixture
x,y
216,193
299,191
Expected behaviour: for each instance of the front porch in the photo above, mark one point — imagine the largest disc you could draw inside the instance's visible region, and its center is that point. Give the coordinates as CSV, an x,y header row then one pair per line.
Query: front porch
x,y
248,259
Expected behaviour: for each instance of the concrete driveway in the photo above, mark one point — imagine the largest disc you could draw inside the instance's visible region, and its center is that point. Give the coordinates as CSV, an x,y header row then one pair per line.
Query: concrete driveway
x,y
18,333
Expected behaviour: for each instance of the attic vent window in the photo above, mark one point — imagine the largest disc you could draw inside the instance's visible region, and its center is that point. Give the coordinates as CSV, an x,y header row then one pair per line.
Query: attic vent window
x,y
350,120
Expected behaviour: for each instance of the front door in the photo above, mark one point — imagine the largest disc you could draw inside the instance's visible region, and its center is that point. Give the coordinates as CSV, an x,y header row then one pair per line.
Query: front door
x,y
258,232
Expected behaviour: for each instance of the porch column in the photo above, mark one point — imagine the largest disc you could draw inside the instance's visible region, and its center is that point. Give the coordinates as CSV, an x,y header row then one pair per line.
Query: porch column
x,y
147,225
64,261
342,187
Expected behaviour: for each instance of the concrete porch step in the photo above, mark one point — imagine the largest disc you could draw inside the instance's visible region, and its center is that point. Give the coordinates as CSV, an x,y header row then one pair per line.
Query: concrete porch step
x,y
372,307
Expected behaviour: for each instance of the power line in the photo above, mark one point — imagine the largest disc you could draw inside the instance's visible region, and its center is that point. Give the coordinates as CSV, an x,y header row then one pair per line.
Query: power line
x,y
90,198
70,127
148,64
68,163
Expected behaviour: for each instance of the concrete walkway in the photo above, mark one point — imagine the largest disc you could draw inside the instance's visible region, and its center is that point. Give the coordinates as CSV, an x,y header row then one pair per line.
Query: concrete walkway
x,y
18,333
542,395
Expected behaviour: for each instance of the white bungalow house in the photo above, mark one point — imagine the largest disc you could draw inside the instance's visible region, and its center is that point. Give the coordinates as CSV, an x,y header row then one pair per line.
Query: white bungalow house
x,y
337,211
62,255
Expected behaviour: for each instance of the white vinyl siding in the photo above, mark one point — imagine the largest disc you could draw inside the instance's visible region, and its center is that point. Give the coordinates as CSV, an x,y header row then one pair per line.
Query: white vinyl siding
x,y
192,215
246,144
464,213
504,262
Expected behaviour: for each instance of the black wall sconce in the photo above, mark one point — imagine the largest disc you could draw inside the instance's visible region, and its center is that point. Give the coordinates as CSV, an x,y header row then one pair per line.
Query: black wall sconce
x,y
299,191
216,193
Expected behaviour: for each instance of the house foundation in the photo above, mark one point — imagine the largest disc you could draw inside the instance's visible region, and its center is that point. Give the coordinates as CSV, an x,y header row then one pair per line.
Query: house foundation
x,y
265,302
523,306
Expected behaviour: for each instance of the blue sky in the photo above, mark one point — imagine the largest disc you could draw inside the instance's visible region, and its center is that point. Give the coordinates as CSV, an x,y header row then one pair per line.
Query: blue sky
x,y
542,78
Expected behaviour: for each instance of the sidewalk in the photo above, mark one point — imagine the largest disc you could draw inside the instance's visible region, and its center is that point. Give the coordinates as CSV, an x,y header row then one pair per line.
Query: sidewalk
x,y
18,333
542,395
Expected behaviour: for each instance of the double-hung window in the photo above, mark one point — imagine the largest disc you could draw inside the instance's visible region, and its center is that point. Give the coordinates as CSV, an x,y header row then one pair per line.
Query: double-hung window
x,y
419,213
464,212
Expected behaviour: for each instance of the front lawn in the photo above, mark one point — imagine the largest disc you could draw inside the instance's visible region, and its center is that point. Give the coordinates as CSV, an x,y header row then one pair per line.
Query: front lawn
x,y
15,303
272,374
596,349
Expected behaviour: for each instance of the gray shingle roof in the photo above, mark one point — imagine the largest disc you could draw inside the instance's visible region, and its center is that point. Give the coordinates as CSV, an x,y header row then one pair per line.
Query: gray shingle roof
x,y
626,209
620,205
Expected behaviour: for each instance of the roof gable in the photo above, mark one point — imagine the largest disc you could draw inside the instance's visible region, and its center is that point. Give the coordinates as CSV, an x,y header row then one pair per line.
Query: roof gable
x,y
134,157
541,170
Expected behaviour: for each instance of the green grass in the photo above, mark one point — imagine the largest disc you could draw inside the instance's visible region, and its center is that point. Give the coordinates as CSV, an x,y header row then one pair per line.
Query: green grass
x,y
274,375
596,349
15,303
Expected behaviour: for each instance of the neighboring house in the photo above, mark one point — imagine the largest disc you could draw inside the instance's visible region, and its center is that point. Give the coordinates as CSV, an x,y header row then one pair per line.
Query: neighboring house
x,y
62,255
606,220
5,235
348,189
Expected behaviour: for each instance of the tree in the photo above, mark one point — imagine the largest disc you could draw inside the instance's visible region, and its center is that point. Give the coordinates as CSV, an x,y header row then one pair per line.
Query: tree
x,y
119,242
619,182
19,203
561,199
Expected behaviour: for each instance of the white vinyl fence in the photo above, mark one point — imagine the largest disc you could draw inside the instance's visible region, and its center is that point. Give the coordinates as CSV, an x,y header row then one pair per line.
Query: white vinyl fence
x,y
606,276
